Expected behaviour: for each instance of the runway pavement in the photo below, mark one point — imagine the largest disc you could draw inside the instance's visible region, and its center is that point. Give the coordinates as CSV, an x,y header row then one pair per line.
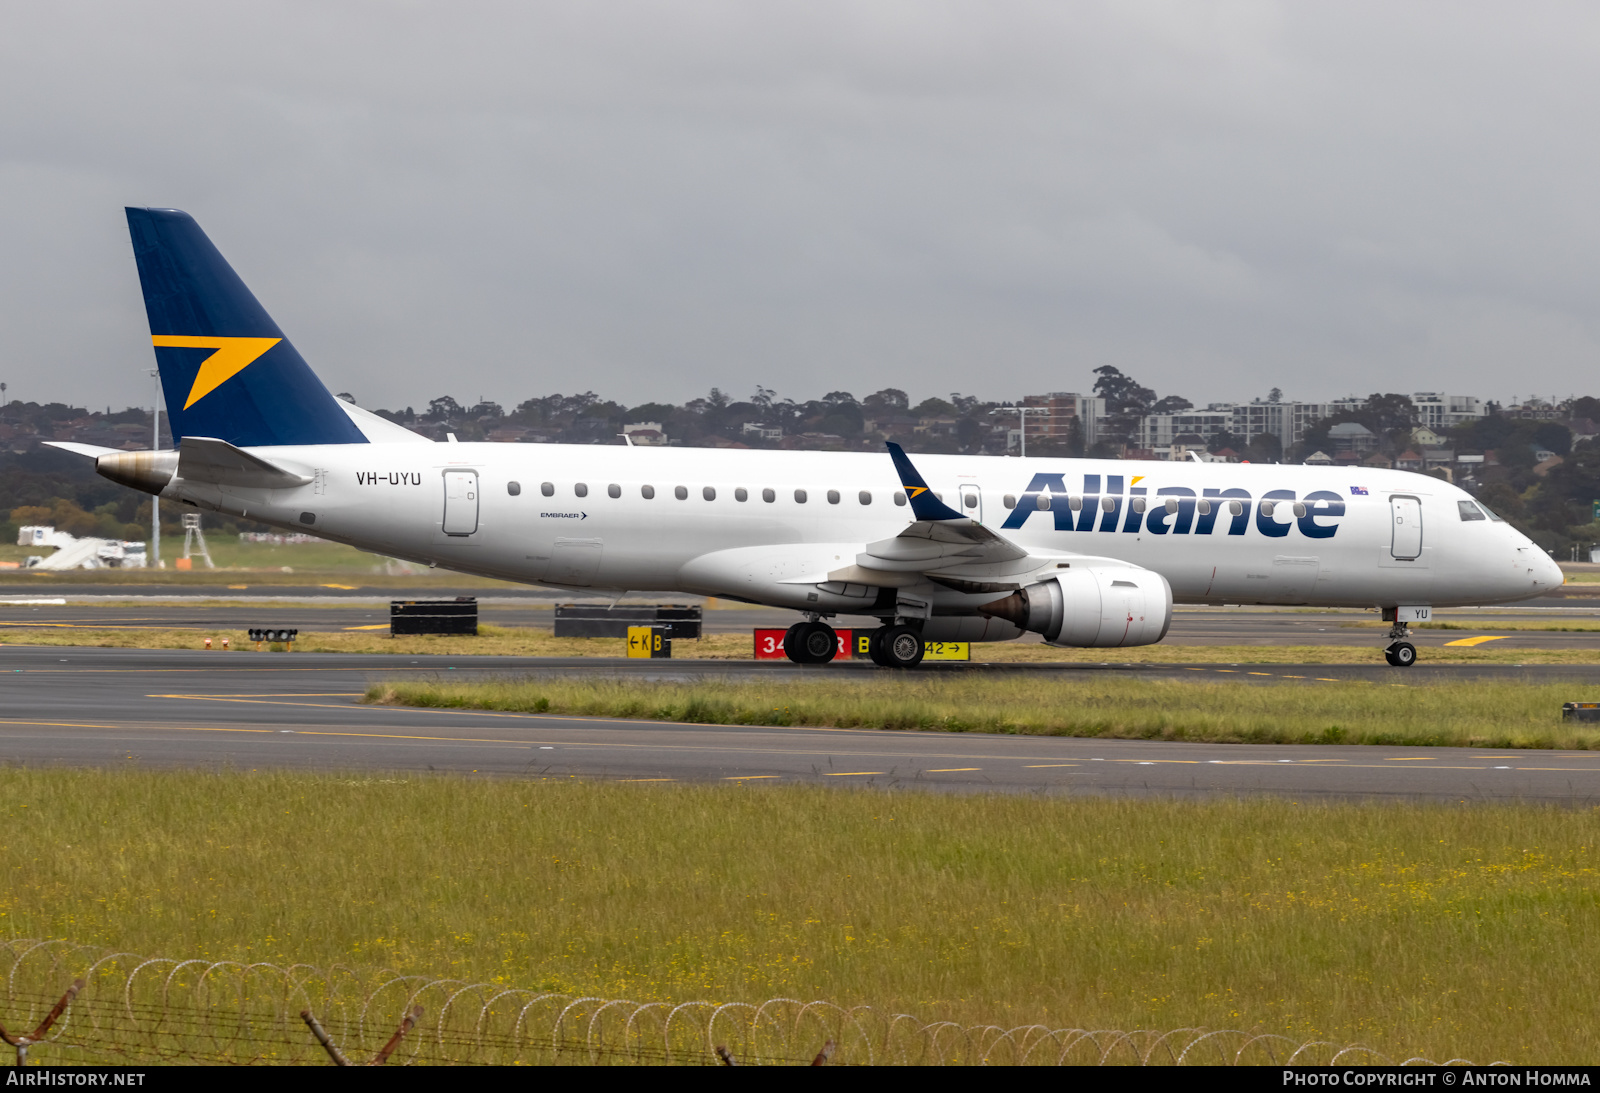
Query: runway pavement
x,y
109,707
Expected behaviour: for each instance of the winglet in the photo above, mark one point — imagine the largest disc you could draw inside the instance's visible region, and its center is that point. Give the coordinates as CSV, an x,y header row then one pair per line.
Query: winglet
x,y
924,505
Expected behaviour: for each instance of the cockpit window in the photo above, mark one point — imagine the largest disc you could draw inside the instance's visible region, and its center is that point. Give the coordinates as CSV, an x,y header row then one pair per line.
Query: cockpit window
x,y
1491,513
1469,511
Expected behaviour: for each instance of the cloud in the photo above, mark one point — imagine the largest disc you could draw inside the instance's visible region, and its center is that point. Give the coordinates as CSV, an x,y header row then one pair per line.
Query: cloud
x,y
650,199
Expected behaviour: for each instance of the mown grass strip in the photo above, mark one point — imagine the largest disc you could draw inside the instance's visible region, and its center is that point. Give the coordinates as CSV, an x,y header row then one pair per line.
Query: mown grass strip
x,y
1430,930
1474,713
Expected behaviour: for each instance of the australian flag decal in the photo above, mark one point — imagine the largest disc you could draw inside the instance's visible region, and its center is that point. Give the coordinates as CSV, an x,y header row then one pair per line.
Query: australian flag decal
x,y
1358,491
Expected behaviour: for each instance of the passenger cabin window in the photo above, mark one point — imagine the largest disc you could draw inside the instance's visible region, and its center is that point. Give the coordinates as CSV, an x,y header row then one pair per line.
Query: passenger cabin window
x,y
1075,503
709,493
1203,508
547,488
1469,511
741,494
865,497
514,489
769,496
899,498
613,490
799,497
581,489
1042,501
1009,500
1138,504
681,492
970,500
833,497
647,492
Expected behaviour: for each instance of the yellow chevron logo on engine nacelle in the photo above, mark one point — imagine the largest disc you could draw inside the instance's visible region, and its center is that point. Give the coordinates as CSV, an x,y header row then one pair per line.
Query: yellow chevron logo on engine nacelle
x,y
232,356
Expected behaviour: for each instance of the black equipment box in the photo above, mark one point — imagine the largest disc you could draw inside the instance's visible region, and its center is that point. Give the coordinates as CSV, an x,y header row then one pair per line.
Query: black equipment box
x,y
282,637
1580,711
596,620
457,616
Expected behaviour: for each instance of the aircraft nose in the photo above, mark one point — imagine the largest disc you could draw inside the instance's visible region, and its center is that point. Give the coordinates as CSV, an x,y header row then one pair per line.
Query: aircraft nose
x,y
1550,573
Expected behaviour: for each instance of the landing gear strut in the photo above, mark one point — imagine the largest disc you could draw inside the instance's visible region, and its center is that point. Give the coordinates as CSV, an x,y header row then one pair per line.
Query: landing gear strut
x,y
810,643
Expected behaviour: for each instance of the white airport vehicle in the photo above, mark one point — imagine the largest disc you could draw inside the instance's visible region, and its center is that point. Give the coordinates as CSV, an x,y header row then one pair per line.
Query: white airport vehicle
x,y
1088,553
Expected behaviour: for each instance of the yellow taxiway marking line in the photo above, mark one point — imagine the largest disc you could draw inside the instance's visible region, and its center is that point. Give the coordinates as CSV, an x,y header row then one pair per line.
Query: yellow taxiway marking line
x,y
949,770
749,777
1294,677
376,626
1325,679
1478,640
851,773
1258,673
1190,762
305,694
1229,671
1409,759
647,779
1035,766
58,724
343,587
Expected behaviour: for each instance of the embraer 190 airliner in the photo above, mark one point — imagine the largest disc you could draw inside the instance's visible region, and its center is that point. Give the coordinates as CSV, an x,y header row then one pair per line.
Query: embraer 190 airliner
x,y
1086,553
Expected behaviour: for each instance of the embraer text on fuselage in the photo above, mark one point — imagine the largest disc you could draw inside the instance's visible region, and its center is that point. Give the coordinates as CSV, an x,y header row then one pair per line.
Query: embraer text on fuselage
x,y
1105,504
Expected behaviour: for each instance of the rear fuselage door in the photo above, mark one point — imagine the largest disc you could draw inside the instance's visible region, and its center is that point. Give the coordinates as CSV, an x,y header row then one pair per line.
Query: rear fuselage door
x,y
460,502
1406,515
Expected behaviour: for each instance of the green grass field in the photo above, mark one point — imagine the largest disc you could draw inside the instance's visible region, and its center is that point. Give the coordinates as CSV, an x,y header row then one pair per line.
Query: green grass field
x,y
1466,713
1440,931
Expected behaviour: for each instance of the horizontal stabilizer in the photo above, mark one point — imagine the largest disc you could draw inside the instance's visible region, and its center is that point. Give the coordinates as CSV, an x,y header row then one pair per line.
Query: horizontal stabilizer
x,y
205,459
92,451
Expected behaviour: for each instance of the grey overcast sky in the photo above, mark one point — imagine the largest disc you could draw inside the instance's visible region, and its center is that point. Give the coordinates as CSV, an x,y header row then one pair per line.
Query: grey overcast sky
x,y
651,199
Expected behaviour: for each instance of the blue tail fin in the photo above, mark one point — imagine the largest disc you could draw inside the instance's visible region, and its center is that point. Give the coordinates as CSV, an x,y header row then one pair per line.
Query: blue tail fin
x,y
227,370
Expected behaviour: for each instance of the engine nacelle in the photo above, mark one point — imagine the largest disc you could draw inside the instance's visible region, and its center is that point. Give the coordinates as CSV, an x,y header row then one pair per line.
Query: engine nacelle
x,y
1092,607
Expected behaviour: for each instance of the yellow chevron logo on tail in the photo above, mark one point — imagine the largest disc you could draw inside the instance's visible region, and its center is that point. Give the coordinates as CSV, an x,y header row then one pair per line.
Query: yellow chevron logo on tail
x,y
232,356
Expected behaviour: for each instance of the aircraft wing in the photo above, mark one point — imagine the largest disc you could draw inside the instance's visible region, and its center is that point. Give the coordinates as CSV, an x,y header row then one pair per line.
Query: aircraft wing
x,y
939,538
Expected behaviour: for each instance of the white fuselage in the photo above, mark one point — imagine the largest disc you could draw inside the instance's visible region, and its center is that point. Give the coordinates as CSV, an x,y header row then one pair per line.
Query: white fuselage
x,y
578,517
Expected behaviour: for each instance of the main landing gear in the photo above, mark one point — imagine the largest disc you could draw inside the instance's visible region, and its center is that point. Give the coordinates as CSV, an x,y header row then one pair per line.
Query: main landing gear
x,y
815,642
895,646
811,642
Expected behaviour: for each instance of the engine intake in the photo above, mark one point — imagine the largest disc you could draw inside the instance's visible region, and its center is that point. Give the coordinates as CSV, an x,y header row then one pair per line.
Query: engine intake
x,y
1092,607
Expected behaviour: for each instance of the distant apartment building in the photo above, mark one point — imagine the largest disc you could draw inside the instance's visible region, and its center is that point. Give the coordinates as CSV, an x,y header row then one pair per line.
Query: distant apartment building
x,y
1437,410
1160,430
1290,421
1060,410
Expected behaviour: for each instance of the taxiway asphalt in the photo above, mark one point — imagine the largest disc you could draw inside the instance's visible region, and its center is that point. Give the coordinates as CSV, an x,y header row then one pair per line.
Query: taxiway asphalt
x,y
244,711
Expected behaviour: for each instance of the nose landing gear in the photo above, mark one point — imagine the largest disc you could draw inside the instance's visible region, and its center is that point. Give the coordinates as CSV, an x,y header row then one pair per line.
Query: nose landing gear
x,y
1400,653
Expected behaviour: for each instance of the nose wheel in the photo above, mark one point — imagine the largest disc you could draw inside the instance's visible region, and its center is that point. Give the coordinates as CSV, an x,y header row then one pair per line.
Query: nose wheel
x,y
1402,654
